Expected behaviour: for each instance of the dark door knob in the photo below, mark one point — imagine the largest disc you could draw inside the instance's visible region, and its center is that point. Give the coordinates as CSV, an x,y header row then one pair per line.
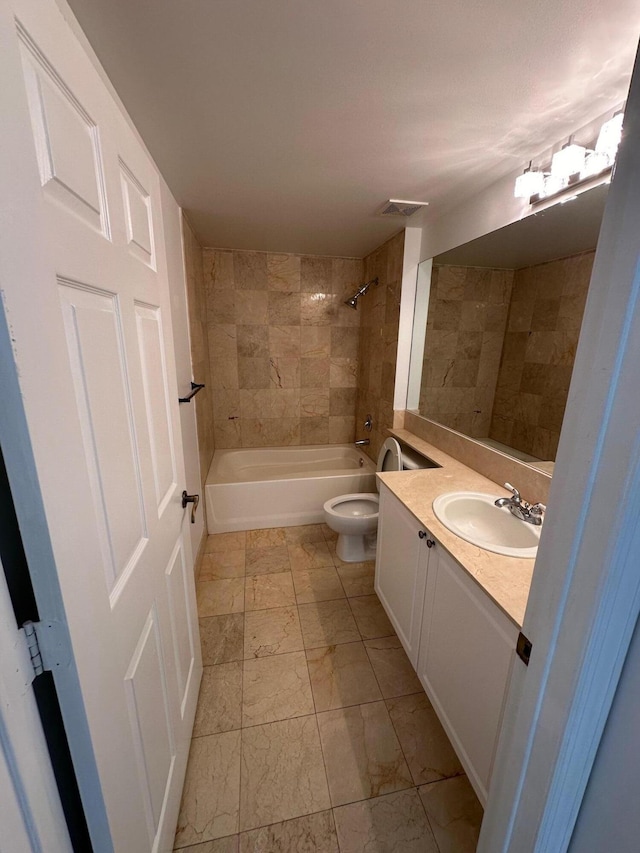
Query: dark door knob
x,y
191,499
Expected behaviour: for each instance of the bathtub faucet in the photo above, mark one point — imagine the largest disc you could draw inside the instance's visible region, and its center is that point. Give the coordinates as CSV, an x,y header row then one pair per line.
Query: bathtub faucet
x,y
362,442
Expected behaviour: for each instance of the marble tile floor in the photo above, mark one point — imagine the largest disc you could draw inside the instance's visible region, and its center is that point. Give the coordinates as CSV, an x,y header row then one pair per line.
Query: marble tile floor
x,y
312,732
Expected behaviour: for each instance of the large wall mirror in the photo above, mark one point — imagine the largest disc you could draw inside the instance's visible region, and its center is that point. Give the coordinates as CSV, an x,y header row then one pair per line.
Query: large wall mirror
x,y
496,329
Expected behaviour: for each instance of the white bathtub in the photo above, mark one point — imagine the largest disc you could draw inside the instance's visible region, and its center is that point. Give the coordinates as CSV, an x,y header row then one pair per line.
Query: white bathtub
x,y
281,486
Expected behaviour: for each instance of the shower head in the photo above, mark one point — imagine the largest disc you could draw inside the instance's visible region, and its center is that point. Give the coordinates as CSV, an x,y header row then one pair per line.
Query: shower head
x,y
352,302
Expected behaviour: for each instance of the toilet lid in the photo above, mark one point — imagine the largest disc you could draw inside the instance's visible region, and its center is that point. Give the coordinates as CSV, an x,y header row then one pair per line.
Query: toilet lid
x,y
390,456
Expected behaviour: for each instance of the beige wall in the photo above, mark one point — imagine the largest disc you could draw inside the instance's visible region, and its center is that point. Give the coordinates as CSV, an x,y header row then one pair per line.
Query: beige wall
x,y
380,313
282,346
539,350
196,298
466,323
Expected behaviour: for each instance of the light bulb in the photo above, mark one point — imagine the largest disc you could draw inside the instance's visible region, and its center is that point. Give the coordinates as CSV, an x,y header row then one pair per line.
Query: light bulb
x,y
568,161
553,184
609,137
595,162
529,183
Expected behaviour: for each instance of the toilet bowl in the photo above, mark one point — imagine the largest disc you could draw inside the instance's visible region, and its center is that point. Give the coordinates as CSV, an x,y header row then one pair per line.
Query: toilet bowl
x,y
354,517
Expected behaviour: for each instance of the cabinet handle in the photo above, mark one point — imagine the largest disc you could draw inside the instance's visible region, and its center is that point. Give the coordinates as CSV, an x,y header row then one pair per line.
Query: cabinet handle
x,y
423,535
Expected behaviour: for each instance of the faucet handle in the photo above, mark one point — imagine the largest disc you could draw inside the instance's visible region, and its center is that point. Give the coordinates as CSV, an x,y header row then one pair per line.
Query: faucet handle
x,y
537,509
515,492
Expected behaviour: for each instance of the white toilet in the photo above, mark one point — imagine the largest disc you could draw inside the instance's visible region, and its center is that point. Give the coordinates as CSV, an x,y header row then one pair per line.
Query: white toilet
x,y
355,517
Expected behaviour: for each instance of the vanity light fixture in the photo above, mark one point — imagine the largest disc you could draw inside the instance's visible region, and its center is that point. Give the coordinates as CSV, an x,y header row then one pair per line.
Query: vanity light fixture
x,y
568,161
573,165
609,137
553,184
530,182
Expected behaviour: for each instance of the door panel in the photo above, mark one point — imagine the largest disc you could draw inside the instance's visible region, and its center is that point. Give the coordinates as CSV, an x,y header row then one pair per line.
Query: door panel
x,y
401,570
137,211
96,356
94,351
150,720
182,633
66,138
154,382
466,654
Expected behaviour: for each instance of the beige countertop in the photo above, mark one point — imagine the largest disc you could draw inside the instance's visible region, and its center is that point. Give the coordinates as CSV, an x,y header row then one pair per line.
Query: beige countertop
x,y
505,579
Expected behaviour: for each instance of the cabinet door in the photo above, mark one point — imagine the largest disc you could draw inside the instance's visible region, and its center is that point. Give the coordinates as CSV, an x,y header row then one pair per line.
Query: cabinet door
x,y
466,653
401,570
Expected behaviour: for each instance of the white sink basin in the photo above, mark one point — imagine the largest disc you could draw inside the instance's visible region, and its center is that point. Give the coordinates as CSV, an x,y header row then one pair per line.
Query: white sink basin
x,y
474,517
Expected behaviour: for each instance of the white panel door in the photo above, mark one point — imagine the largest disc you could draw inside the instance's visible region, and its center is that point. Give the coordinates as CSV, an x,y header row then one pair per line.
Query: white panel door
x,y
94,352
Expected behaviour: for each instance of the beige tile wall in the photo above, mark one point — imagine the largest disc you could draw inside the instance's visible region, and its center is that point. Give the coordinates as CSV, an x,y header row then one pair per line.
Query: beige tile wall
x,y
532,483
197,304
539,350
283,347
466,323
380,312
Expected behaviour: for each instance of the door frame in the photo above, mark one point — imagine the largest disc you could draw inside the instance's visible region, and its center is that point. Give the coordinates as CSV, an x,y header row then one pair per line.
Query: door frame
x,y
581,619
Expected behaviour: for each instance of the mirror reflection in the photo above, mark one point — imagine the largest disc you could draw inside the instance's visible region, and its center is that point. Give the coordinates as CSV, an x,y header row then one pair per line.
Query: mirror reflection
x,y
503,320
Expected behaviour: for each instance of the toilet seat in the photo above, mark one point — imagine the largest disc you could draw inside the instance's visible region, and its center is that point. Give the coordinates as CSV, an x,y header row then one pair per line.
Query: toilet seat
x,y
356,505
354,517
390,456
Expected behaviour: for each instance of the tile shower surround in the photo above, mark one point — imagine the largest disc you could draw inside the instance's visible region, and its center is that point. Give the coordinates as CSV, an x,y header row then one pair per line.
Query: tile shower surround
x,y
380,311
466,322
545,317
312,730
527,322
283,347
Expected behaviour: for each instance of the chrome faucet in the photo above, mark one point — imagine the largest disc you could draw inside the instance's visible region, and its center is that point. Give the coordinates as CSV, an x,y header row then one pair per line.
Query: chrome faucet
x,y
532,513
362,442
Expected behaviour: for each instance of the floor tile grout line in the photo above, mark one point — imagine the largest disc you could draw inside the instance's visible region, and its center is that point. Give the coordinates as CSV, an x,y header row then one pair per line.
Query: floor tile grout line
x,y
315,714
244,625
416,786
277,822
384,700
324,763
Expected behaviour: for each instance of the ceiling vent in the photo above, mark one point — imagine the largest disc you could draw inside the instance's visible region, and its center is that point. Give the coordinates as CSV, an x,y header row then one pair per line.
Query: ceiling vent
x,y
397,207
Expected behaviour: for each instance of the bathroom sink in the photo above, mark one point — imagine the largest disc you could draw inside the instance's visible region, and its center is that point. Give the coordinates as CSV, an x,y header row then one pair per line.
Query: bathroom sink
x,y
474,517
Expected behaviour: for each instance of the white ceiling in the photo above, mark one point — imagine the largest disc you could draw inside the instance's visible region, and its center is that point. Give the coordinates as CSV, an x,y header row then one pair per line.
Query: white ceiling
x,y
283,125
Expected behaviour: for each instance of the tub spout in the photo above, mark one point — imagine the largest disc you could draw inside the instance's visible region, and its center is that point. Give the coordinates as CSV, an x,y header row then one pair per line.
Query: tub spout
x,y
362,442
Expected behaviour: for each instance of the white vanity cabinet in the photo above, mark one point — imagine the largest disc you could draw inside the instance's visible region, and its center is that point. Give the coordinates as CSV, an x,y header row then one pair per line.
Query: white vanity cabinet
x,y
459,641
467,648
401,570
